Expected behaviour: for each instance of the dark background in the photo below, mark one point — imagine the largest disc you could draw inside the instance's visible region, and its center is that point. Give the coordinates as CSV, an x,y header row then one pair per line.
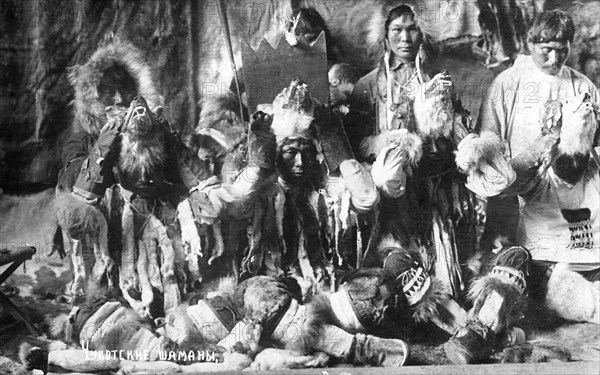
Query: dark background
x,y
184,42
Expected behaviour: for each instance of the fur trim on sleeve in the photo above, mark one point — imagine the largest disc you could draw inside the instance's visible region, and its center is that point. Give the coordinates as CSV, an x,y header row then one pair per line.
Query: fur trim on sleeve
x,y
475,150
405,140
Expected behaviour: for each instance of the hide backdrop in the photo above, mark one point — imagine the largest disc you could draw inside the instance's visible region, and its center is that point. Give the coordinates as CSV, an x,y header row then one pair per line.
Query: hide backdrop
x,y
186,46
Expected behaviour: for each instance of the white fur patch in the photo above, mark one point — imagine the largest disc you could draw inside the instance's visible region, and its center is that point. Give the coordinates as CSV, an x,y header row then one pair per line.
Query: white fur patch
x,y
573,297
289,122
434,111
579,125
474,150
409,142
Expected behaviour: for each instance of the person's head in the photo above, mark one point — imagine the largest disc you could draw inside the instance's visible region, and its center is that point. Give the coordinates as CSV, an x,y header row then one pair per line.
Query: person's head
x,y
297,160
550,37
402,33
438,154
310,25
116,87
342,78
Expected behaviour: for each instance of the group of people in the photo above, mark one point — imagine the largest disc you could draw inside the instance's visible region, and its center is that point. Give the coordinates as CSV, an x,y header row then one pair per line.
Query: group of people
x,y
344,218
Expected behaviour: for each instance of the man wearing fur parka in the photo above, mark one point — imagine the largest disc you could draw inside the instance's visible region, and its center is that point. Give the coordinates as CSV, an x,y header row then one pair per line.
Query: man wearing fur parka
x,y
319,185
417,122
121,137
558,261
291,230
304,333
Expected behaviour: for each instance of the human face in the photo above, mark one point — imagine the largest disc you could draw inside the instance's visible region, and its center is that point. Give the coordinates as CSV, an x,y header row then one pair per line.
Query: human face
x,y
551,56
116,88
297,160
404,37
437,155
338,91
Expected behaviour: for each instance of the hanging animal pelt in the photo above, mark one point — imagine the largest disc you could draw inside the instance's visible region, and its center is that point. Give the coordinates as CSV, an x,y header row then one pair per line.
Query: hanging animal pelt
x,y
221,133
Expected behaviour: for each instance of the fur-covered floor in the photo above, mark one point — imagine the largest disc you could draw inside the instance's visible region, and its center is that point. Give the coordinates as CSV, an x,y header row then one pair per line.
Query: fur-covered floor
x,y
549,338
34,289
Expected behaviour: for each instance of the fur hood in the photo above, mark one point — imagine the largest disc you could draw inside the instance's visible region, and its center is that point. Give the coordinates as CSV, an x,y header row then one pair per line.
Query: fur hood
x,y
89,111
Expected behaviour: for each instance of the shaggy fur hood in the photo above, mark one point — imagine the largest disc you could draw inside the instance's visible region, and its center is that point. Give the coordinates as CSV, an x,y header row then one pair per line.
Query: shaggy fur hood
x,y
89,111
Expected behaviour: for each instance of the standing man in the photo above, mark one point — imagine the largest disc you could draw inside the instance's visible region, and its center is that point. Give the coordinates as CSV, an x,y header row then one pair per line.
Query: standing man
x,y
416,122
514,100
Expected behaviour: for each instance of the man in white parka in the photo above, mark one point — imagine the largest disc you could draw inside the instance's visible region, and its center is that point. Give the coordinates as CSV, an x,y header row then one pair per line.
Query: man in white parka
x,y
517,95
556,257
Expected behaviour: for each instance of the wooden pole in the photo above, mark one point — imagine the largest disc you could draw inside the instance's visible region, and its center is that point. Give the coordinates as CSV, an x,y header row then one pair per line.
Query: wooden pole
x,y
225,24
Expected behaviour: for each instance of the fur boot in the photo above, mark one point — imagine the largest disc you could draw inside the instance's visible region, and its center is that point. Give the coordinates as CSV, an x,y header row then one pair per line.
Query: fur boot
x,y
375,351
498,298
361,349
427,296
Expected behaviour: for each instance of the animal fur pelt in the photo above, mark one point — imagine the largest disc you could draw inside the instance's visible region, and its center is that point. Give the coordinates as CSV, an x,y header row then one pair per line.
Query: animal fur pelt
x,y
90,113
69,328
220,296
78,218
220,127
476,150
259,299
273,303
298,329
528,353
428,307
580,119
143,149
277,359
293,111
32,357
409,142
434,108
573,297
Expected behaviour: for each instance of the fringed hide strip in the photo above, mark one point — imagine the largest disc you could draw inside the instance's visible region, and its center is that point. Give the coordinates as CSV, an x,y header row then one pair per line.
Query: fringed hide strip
x,y
158,231
192,243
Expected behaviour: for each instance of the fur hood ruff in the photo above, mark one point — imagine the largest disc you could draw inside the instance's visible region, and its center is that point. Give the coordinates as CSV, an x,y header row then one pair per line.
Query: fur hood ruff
x,y
89,111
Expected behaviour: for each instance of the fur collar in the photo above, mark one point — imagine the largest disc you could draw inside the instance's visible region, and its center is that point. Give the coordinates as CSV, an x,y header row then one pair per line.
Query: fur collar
x,y
89,111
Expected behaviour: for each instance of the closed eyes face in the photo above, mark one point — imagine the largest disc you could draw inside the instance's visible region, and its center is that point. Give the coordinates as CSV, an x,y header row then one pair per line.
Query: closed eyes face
x,y
551,56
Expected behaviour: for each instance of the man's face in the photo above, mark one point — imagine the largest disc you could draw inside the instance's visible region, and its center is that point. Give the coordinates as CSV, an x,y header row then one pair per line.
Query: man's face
x,y
550,57
297,160
404,37
116,88
339,91
437,155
